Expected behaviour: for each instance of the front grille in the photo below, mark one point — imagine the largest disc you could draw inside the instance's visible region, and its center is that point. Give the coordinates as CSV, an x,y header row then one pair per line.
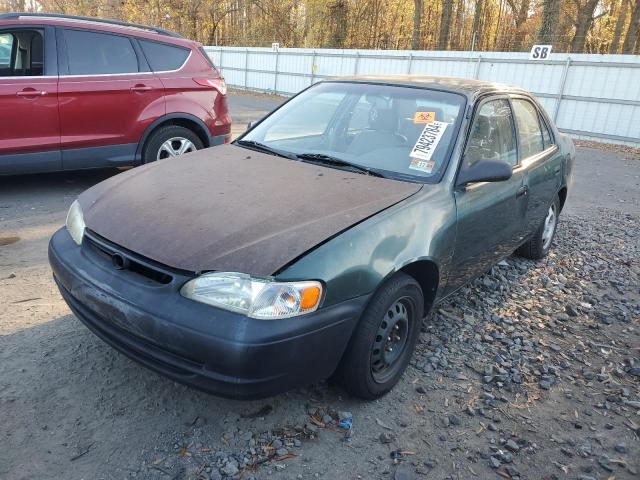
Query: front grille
x,y
123,259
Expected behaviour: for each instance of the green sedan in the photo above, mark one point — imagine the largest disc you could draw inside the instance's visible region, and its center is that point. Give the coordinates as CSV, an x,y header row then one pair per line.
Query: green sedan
x,y
315,244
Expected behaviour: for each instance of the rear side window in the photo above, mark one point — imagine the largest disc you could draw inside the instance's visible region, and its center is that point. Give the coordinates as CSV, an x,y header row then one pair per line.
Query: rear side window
x,y
163,57
529,134
92,53
21,53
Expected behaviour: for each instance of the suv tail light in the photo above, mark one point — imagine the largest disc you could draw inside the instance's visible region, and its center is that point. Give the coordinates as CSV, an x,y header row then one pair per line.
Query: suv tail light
x,y
217,83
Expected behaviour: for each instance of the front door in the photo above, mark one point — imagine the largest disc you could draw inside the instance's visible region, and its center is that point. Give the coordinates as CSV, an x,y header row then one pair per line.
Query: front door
x,y
108,97
490,215
29,125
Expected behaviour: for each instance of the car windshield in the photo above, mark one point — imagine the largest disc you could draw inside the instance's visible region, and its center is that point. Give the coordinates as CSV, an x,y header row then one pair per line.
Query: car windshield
x,y
392,131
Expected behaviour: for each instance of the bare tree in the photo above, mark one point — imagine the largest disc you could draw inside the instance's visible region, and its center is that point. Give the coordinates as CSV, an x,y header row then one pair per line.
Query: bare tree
x,y
476,29
445,24
550,20
520,11
339,12
620,21
417,22
630,37
583,22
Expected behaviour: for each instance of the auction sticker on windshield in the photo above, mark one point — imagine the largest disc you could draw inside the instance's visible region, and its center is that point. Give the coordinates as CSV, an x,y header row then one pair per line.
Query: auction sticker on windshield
x,y
428,140
421,165
424,117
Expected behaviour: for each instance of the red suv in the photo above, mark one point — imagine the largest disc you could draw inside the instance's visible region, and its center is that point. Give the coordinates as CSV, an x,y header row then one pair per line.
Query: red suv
x,y
79,92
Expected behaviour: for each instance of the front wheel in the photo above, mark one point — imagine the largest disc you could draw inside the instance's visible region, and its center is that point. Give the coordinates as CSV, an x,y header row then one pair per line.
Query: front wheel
x,y
382,344
170,141
539,245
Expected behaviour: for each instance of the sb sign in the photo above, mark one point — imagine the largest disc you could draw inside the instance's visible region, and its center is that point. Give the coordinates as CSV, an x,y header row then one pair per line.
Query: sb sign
x,y
540,52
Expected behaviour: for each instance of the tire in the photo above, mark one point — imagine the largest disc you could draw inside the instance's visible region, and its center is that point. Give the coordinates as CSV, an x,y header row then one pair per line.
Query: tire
x,y
154,148
539,245
359,372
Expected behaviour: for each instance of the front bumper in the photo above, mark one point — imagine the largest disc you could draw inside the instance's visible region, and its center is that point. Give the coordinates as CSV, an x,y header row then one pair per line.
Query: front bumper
x,y
209,348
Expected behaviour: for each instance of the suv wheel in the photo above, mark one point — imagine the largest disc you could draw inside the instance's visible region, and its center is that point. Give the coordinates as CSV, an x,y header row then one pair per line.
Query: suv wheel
x,y
382,344
170,141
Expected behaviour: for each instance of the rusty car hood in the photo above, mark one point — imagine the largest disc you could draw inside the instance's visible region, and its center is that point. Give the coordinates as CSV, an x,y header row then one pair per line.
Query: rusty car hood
x,y
233,209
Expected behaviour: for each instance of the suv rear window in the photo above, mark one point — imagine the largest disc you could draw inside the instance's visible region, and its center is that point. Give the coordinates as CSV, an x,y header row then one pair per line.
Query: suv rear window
x,y
92,53
163,57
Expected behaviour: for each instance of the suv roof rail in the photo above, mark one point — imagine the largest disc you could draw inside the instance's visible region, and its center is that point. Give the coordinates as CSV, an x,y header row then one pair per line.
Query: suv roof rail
x,y
161,31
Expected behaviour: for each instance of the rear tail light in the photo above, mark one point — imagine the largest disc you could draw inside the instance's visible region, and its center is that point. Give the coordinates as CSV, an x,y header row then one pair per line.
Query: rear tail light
x,y
217,83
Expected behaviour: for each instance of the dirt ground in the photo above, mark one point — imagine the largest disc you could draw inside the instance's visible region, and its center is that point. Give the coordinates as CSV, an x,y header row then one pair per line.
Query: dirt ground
x,y
532,371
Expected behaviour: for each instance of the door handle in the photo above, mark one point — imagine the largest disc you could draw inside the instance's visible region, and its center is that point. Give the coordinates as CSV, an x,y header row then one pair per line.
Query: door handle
x,y
522,191
31,93
557,170
141,88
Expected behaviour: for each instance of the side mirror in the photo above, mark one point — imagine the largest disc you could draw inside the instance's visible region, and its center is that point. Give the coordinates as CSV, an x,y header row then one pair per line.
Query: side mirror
x,y
251,124
486,170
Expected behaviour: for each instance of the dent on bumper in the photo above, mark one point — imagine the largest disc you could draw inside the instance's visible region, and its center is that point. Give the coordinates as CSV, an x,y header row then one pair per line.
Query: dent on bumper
x,y
208,348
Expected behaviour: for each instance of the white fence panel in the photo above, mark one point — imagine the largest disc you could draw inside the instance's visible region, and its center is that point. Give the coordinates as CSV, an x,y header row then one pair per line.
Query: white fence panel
x,y
589,96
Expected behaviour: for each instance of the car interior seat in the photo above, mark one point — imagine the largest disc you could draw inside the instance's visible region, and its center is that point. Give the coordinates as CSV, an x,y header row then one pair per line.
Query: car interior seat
x,y
382,132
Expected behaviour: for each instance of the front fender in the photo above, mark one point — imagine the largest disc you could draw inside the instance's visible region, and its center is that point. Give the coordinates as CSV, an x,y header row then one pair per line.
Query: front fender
x,y
358,260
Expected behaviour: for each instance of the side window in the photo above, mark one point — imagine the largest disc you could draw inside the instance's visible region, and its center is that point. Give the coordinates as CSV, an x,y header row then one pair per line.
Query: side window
x,y
21,53
492,135
163,57
92,53
529,134
546,134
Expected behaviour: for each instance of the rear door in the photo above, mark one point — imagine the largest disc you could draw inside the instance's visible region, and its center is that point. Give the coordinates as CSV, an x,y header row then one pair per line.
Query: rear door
x,y
542,159
108,97
29,123
490,215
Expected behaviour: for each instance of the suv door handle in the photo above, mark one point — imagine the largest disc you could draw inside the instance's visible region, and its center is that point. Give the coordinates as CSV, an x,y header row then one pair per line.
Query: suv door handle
x,y
31,93
522,191
140,88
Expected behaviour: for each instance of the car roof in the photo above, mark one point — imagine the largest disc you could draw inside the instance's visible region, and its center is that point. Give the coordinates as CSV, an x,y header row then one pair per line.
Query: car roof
x,y
468,87
96,24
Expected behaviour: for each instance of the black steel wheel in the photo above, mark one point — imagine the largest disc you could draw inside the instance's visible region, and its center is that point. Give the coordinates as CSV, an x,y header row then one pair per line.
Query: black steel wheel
x,y
383,342
391,340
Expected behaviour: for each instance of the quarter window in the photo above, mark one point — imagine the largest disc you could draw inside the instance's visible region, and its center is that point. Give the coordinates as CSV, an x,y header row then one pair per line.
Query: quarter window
x,y
529,134
163,57
492,135
546,134
92,53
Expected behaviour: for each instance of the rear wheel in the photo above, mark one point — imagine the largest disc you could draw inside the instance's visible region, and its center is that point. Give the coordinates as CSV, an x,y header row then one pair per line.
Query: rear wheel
x,y
382,344
170,141
539,245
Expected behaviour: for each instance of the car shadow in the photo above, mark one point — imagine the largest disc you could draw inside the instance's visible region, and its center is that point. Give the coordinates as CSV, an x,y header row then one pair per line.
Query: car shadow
x,y
63,390
24,187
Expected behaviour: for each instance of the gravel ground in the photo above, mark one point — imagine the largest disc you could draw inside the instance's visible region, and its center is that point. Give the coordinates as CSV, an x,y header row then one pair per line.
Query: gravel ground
x,y
532,371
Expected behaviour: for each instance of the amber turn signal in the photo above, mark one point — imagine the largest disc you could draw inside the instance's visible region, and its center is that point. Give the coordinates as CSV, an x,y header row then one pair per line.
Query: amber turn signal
x,y
309,298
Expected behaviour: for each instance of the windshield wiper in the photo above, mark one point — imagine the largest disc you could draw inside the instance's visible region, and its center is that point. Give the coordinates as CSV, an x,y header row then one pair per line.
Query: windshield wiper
x,y
261,147
329,160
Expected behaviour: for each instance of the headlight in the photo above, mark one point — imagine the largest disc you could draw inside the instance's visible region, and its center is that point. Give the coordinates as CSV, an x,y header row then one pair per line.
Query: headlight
x,y
254,297
75,222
